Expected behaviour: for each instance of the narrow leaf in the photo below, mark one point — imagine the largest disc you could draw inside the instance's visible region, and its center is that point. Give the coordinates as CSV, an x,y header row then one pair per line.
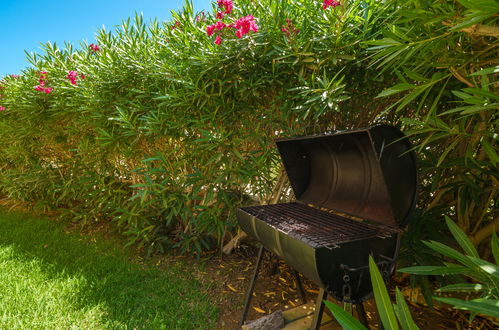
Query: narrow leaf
x,y
346,320
433,270
462,287
383,303
490,151
486,266
461,238
495,247
403,313
484,306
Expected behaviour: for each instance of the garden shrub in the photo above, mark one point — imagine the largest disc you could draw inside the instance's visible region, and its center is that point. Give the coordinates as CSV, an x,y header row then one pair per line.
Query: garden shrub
x,y
166,128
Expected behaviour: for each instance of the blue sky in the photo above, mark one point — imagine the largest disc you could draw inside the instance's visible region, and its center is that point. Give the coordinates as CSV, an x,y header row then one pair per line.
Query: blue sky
x,y
27,23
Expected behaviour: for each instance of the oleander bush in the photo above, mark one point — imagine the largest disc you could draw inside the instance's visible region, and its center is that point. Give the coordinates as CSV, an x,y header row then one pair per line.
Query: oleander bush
x,y
165,128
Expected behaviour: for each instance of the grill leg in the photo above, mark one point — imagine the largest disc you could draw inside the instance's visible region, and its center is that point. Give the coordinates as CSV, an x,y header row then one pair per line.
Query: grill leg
x,y
300,287
361,312
319,310
251,286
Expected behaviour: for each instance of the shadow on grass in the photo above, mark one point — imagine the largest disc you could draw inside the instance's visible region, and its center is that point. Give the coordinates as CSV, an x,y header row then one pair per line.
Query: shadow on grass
x,y
91,277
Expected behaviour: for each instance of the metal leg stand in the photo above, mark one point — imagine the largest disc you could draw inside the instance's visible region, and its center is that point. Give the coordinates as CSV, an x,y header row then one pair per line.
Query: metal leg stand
x,y
300,287
361,312
319,309
252,286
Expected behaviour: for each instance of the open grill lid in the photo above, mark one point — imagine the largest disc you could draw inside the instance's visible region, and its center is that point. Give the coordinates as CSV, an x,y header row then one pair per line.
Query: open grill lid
x,y
367,173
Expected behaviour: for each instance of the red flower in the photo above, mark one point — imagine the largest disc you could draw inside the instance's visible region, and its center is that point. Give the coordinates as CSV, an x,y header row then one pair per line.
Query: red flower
x,y
82,76
244,25
94,48
218,40
48,90
210,29
289,28
72,75
227,5
330,3
220,15
2,108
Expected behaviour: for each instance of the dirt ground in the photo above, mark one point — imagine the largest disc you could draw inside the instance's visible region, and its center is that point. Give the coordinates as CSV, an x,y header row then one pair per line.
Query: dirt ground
x,y
228,278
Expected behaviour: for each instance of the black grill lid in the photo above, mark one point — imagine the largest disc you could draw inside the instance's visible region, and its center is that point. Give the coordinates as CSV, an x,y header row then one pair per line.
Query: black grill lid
x,y
367,173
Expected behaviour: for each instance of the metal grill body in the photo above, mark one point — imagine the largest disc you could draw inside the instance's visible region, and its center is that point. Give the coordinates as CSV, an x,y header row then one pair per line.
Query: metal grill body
x,y
355,191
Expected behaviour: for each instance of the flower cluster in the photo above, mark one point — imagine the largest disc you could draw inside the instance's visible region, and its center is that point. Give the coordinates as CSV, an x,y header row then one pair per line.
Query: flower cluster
x,y
176,25
201,17
226,6
330,3
244,25
94,48
72,75
42,76
289,28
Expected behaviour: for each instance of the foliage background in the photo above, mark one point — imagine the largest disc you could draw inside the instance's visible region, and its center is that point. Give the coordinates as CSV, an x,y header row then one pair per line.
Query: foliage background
x,y
170,133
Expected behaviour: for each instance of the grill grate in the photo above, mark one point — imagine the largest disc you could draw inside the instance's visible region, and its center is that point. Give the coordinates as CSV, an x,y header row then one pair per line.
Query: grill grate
x,y
315,227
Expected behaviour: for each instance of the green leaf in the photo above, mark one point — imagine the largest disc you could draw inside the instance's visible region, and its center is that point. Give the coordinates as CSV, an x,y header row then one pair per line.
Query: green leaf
x,y
346,320
447,150
433,270
462,287
412,95
383,303
481,5
461,238
494,69
490,151
396,89
449,252
403,313
484,306
495,247
486,266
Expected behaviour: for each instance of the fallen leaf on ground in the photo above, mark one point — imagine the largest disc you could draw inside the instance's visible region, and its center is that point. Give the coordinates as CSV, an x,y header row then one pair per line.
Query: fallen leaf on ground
x,y
259,310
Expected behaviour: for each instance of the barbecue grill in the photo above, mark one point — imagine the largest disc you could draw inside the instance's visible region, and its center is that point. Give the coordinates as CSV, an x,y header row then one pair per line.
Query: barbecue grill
x,y
355,191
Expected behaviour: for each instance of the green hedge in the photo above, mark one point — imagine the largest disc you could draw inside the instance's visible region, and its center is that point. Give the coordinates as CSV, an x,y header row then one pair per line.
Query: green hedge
x,y
169,132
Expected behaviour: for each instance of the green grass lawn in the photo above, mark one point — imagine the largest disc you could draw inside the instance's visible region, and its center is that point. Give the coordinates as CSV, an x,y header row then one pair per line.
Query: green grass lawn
x,y
55,280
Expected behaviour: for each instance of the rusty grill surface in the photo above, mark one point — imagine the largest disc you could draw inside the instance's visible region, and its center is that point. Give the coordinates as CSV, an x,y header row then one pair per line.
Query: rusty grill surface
x,y
315,227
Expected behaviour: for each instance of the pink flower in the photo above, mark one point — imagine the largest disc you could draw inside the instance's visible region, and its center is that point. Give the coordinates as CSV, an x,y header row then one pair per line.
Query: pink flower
x,y
210,29
94,48
289,28
72,75
330,3
176,25
39,88
220,15
82,76
201,17
2,108
244,25
227,5
48,90
15,76
220,25
218,40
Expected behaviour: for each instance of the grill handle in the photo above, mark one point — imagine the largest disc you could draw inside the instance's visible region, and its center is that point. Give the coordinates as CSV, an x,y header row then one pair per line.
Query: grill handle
x,y
389,262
